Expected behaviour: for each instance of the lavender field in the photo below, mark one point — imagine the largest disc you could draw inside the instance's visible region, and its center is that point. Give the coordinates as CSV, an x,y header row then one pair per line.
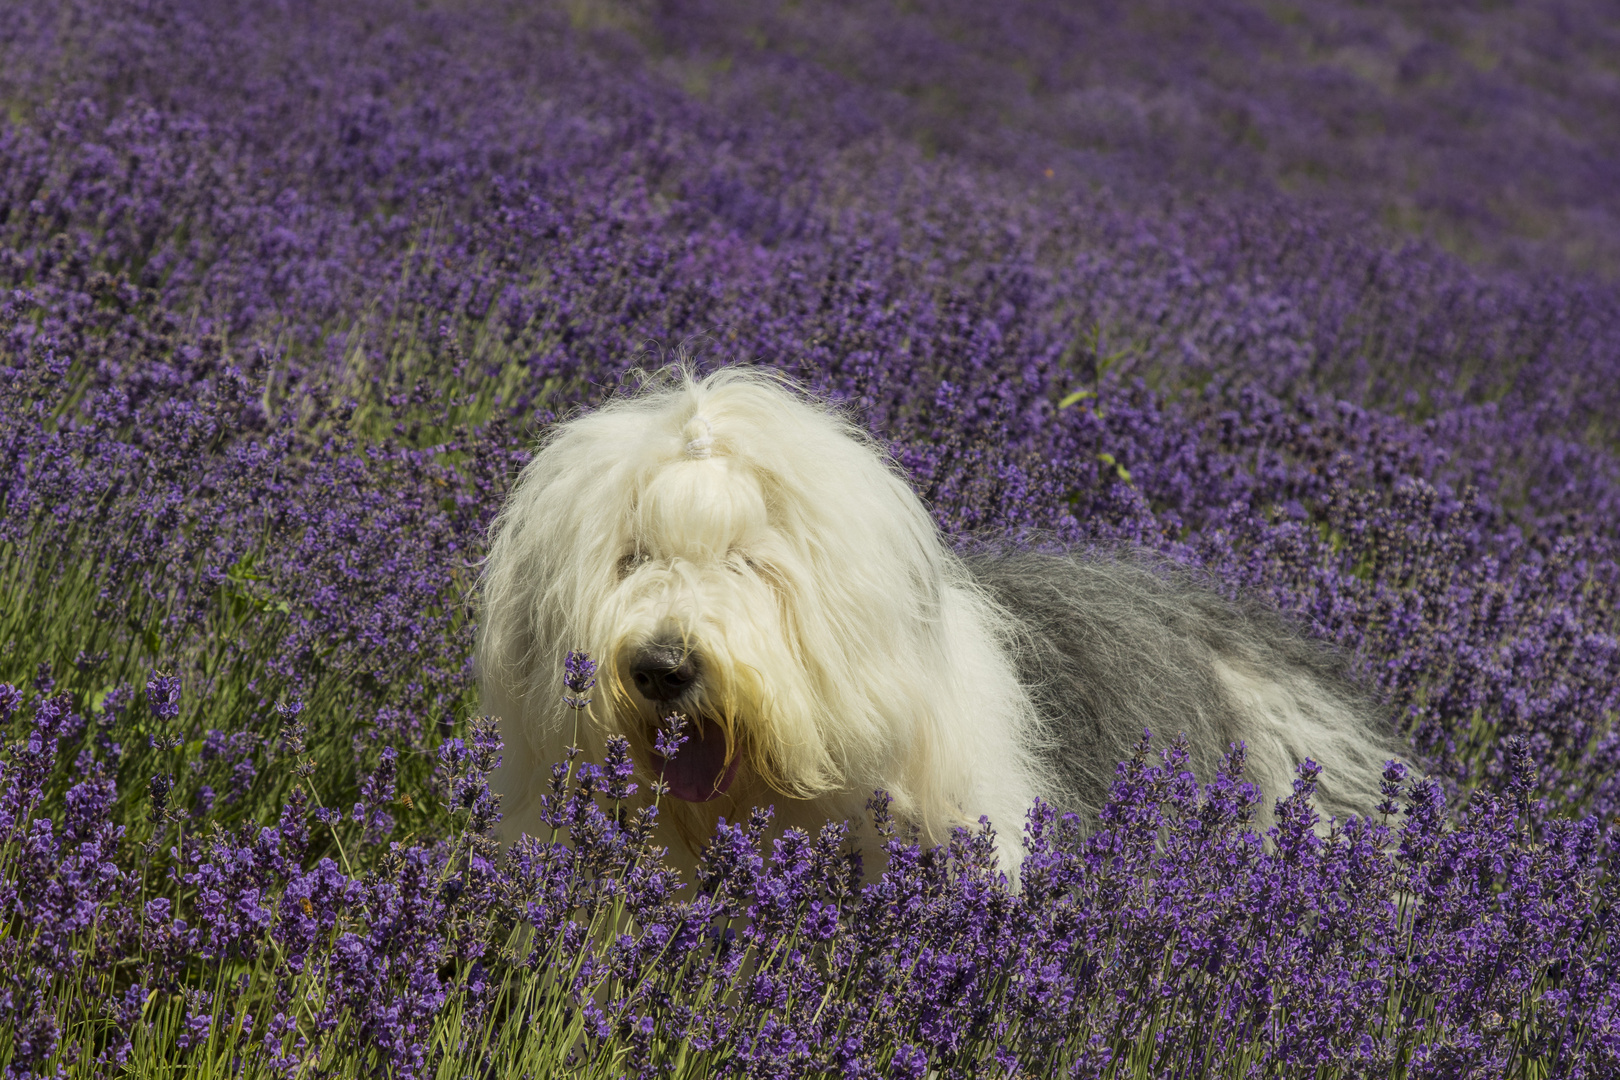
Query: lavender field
x,y
1322,298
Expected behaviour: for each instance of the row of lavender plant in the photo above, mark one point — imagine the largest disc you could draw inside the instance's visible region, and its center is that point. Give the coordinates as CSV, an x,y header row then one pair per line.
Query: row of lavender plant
x,y
288,296
1172,939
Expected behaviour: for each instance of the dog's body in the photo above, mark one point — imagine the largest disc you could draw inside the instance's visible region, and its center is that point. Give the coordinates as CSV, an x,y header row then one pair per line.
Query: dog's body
x,y
735,553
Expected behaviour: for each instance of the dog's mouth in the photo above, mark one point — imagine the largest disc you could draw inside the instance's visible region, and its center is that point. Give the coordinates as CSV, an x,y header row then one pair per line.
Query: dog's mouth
x,y
699,771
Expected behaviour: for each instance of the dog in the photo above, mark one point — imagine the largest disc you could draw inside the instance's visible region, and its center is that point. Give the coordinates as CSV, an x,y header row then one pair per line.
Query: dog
x,y
740,556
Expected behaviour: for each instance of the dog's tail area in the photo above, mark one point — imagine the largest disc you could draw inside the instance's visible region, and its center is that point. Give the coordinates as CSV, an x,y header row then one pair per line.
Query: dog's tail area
x,y
1113,644
1290,717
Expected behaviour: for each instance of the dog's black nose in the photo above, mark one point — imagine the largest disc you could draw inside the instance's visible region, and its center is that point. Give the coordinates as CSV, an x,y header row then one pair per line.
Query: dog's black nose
x,y
663,673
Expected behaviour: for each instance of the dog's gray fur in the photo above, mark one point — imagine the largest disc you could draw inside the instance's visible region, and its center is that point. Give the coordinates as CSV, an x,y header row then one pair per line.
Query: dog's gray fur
x,y
1116,643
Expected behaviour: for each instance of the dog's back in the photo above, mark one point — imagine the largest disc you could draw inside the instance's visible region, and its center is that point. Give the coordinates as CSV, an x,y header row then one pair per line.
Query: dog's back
x,y
1112,644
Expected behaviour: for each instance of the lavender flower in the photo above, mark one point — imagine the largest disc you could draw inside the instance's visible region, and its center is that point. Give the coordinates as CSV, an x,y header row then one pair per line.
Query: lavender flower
x,y
11,700
579,676
376,791
163,696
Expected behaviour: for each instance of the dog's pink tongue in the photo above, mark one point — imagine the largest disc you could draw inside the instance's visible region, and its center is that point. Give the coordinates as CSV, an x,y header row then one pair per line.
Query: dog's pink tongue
x,y
698,772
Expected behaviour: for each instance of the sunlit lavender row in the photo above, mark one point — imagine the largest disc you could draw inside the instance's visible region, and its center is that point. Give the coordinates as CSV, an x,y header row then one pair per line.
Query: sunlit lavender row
x,y
1317,299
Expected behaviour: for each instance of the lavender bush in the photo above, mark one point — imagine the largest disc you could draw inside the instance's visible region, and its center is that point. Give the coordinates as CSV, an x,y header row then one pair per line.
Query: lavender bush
x,y
1171,938
1318,299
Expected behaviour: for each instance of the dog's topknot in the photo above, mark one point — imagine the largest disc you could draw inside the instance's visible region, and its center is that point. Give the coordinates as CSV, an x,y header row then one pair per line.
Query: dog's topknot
x,y
699,438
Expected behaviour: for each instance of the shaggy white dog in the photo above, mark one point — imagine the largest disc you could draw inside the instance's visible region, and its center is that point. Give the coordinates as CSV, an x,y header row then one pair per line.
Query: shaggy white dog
x,y
735,552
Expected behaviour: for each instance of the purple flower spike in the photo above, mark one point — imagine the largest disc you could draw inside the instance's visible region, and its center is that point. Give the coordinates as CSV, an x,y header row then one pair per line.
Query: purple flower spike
x,y
163,696
671,736
158,789
579,676
11,700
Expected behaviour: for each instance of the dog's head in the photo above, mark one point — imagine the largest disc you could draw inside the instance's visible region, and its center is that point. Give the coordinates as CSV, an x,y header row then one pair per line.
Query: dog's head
x,y
735,554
